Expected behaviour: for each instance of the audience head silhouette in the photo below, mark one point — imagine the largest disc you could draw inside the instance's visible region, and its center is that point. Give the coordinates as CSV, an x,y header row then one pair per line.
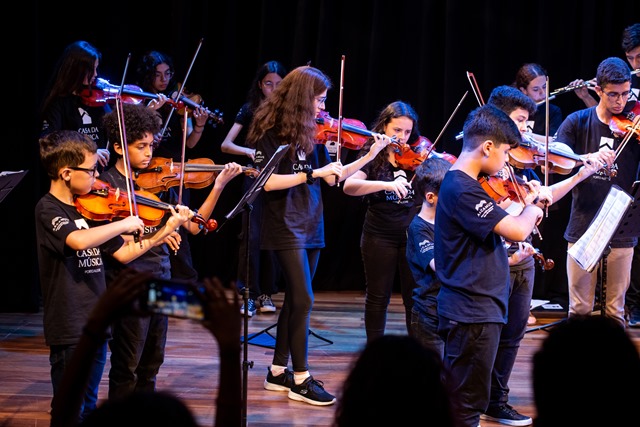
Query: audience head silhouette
x,y
395,379
138,409
580,372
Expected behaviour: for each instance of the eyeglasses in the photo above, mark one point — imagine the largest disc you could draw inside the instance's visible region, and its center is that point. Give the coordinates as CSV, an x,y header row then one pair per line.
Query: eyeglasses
x,y
91,172
614,96
321,99
167,75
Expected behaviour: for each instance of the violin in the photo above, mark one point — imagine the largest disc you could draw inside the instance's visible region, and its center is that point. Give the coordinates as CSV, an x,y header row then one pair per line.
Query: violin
x,y
531,153
105,203
163,173
354,132
193,101
103,92
410,156
626,122
501,188
545,264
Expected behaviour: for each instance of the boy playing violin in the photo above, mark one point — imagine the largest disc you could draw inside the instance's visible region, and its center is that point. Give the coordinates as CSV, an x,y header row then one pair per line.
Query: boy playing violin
x,y
70,249
471,259
589,131
137,348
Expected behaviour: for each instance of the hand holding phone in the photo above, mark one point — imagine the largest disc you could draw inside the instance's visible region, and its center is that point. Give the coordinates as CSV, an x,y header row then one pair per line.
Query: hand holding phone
x,y
173,298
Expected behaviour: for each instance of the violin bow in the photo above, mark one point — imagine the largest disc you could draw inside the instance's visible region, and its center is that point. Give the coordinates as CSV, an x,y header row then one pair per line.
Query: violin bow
x,y
546,142
475,88
186,118
338,145
133,205
521,197
433,146
181,90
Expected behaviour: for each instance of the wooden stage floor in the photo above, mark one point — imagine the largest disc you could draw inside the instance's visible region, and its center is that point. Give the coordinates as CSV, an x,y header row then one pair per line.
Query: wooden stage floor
x,y
190,369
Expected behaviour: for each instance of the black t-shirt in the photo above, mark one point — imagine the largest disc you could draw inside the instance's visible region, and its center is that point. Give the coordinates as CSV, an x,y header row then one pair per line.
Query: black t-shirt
x,y
538,124
69,113
292,218
420,252
72,281
387,214
585,133
155,260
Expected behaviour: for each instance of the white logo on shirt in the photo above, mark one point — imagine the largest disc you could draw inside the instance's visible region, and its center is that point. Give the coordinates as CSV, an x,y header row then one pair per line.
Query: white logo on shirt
x,y
86,118
58,222
484,208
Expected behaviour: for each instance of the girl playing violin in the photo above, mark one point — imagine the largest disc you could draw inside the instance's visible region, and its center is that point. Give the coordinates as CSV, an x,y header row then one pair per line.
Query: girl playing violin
x,y
293,217
63,109
391,207
134,336
71,251
156,75
263,269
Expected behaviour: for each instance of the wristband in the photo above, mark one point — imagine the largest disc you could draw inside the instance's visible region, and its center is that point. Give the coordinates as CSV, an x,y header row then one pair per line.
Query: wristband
x,y
310,178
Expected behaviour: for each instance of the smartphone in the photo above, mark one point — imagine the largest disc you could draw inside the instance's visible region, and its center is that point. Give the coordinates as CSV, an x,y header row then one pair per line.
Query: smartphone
x,y
172,298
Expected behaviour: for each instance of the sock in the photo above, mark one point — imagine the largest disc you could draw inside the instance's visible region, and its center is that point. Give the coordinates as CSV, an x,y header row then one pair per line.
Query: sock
x,y
299,377
277,370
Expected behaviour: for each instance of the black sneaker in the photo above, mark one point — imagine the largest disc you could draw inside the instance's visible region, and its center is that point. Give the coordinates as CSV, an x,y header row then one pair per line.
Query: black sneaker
x,y
282,382
505,414
311,391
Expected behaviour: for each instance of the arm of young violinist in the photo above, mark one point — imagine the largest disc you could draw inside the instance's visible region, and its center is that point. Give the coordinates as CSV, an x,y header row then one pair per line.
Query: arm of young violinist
x,y
518,228
230,171
525,250
95,236
132,249
194,130
560,189
230,147
381,142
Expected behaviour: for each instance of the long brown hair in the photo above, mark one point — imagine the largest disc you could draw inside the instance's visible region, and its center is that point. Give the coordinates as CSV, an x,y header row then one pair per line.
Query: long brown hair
x,y
290,110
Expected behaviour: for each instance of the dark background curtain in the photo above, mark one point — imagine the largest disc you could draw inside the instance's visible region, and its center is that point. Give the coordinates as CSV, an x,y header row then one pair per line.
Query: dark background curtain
x,y
415,51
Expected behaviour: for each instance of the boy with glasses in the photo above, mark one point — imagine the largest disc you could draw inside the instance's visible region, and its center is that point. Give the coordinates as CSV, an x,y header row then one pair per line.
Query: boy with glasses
x,y
70,253
589,131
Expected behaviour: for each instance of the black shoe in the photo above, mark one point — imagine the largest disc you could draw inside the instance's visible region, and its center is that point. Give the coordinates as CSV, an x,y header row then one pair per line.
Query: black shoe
x,y
311,391
505,414
282,382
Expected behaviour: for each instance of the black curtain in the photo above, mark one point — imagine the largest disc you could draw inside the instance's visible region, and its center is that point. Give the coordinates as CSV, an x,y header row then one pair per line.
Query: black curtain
x,y
415,51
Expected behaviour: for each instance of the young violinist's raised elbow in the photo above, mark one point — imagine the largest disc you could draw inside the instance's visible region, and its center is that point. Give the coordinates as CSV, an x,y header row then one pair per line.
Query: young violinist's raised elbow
x,y
518,228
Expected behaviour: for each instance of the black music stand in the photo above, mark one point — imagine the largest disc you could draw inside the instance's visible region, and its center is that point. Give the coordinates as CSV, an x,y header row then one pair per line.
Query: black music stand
x,y
245,204
9,180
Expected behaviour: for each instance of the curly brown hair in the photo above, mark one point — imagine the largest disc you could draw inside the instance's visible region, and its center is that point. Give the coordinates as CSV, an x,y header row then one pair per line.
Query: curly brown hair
x,y
290,111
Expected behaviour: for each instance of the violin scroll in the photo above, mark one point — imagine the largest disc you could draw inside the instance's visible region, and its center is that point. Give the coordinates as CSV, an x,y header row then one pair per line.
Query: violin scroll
x,y
546,264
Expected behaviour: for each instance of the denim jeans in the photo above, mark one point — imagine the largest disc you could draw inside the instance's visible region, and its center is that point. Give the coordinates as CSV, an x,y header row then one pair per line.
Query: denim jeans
x,y
59,359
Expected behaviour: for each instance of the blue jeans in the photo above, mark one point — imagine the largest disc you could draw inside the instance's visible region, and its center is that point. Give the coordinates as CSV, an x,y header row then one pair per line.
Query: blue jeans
x,y
59,359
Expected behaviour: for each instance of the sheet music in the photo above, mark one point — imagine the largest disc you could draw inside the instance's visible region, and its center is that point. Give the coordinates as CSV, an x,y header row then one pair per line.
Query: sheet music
x,y
589,248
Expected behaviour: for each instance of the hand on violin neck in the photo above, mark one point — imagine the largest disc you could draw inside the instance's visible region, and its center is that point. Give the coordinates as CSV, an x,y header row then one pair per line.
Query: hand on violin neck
x,y
179,215
157,103
381,142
